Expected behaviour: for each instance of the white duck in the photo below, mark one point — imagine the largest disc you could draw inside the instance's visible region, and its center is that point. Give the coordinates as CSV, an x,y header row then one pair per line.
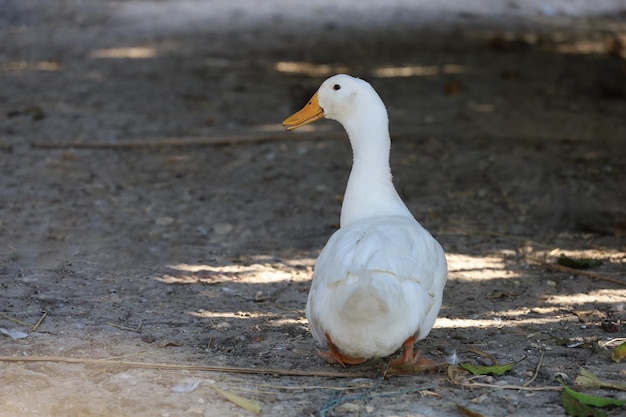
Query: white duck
x,y
378,282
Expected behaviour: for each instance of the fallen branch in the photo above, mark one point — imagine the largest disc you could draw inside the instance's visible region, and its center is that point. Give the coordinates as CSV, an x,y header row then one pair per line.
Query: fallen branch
x,y
207,368
594,275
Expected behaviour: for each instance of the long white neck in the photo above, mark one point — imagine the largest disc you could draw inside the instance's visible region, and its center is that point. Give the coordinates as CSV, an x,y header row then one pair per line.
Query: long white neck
x,y
370,191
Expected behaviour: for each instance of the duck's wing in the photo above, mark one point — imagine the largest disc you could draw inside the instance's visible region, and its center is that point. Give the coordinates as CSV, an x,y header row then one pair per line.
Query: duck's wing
x,y
368,255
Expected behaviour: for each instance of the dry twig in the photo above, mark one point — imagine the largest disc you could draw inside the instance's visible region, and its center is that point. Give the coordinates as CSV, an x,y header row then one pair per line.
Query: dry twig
x,y
207,368
317,387
242,139
480,232
36,326
32,327
484,354
613,342
594,275
187,142
130,329
21,323
531,380
466,383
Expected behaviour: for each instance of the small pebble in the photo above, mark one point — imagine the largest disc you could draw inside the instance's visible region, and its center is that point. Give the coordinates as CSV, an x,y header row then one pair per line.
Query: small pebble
x,y
223,228
164,221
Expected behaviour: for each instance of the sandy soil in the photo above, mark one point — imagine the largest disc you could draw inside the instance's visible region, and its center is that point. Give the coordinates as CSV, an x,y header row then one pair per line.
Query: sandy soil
x,y
508,121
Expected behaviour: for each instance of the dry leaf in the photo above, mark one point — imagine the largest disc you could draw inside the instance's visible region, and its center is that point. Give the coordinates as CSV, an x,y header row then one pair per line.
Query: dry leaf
x,y
454,87
609,326
495,295
588,379
467,412
251,405
167,342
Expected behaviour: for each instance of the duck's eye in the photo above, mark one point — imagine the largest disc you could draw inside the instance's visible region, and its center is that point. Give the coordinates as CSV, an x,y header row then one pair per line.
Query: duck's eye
x,y
336,87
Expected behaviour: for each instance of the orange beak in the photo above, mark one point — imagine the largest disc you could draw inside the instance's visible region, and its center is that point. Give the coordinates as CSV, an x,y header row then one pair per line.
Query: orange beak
x,y
308,114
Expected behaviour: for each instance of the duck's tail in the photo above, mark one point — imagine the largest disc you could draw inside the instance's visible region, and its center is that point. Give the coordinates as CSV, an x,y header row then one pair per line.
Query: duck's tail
x,y
369,298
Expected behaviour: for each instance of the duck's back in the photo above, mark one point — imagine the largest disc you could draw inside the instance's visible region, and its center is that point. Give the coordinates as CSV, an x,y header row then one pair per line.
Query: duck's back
x,y
378,281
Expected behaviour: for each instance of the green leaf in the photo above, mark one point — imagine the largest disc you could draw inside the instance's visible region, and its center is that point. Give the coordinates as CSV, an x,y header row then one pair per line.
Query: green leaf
x,y
592,399
485,370
582,263
575,408
619,353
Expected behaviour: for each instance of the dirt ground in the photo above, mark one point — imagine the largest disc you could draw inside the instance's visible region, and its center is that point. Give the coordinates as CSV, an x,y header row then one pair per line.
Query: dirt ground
x,y
509,128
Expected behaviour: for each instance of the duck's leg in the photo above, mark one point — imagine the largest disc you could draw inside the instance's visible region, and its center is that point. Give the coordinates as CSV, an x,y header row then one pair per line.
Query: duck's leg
x,y
407,355
412,361
334,356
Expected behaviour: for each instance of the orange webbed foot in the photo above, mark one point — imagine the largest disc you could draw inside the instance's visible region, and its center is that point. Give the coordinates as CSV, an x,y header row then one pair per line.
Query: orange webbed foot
x,y
410,362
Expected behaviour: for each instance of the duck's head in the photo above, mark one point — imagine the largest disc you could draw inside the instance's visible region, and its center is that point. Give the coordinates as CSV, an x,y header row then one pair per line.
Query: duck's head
x,y
342,98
